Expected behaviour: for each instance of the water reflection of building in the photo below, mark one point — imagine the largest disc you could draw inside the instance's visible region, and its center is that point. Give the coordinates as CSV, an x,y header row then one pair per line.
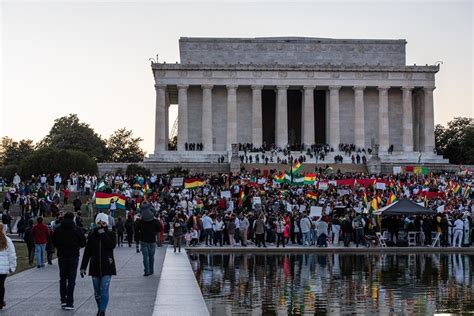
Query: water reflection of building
x,y
336,283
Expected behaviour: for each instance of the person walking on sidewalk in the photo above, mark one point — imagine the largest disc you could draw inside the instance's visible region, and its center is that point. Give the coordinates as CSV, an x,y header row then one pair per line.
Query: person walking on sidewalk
x,y
177,225
148,229
99,256
68,238
7,262
40,233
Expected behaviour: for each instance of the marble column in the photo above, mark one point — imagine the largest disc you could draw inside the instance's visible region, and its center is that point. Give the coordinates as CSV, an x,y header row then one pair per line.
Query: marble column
x,y
207,117
160,120
257,130
359,123
428,119
281,126
334,132
383,120
182,116
308,116
407,125
231,116
167,119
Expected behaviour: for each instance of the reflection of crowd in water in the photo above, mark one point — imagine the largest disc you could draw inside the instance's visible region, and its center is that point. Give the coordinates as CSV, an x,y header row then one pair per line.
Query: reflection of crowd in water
x,y
335,283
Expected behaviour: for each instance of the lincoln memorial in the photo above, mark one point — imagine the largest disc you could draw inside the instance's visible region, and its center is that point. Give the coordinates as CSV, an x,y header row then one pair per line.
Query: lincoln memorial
x,y
283,91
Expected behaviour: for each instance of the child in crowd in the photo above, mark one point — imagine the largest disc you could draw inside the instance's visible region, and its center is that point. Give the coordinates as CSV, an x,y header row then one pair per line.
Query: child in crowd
x,y
187,238
194,237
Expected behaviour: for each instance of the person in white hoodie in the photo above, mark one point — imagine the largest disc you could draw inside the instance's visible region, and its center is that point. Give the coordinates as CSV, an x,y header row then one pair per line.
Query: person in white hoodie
x,y
7,262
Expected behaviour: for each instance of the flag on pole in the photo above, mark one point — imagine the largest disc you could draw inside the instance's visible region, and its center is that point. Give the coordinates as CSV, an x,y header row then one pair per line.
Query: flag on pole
x,y
467,191
242,197
457,189
297,166
280,177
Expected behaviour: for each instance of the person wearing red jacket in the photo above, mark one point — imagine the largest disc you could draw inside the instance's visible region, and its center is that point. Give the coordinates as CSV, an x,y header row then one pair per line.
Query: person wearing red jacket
x,y
40,233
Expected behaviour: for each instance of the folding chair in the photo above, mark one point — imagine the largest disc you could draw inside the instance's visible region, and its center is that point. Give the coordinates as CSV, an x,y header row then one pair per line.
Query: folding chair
x,y
435,239
381,240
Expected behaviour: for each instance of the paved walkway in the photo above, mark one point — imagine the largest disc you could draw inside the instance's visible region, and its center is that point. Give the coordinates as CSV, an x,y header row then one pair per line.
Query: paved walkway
x,y
178,292
36,291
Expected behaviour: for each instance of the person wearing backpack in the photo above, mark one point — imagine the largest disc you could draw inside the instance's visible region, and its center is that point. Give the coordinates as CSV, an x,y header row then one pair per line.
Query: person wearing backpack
x,y
358,224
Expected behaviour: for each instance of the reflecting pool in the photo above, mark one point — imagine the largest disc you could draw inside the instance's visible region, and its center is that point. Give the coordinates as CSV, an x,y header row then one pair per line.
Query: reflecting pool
x,y
294,284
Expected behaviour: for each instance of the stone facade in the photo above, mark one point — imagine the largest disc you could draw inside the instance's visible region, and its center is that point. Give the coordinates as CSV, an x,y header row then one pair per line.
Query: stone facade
x,y
291,50
372,97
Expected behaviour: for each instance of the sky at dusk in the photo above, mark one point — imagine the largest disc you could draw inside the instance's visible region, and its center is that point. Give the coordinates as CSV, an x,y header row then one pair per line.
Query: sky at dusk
x,y
91,58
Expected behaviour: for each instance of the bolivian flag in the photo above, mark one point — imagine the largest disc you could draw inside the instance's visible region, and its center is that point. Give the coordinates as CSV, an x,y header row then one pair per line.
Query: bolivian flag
x,y
457,189
467,192
192,183
242,197
102,200
365,201
309,178
297,166
280,177
199,205
374,205
312,195
392,198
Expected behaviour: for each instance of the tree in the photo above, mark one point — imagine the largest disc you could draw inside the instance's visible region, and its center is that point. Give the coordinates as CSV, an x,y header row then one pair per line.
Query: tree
x,y
455,141
122,147
51,161
69,133
12,152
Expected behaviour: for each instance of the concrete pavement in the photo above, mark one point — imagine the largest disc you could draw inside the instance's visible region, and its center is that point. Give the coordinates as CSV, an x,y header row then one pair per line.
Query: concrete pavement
x,y
36,291
178,292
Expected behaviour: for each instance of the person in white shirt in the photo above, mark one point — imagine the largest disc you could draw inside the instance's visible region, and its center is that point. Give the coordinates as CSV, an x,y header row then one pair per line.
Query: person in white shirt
x,y
458,230
7,262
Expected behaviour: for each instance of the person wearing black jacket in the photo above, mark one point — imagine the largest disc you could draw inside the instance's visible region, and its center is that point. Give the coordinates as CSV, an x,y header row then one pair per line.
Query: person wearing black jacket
x,y
68,239
148,228
99,255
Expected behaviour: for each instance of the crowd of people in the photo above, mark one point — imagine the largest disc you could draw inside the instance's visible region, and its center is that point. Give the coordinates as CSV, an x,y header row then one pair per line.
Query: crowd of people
x,y
247,209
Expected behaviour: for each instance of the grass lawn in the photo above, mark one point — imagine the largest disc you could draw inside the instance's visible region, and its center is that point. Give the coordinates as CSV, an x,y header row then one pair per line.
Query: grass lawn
x,y
21,257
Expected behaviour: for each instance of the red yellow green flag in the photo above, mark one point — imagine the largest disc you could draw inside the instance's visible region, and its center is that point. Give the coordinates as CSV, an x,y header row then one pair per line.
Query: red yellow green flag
x,y
312,195
309,178
192,183
297,166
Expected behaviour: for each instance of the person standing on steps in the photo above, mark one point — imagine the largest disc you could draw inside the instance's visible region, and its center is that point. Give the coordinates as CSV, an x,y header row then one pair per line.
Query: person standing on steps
x,y
68,238
7,262
99,255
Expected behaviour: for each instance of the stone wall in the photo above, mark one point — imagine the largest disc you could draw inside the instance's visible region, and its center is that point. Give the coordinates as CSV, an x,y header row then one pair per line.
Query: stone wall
x,y
294,50
161,168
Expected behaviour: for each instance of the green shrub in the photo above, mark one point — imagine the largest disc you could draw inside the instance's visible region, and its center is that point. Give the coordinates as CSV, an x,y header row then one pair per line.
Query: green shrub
x,y
51,161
